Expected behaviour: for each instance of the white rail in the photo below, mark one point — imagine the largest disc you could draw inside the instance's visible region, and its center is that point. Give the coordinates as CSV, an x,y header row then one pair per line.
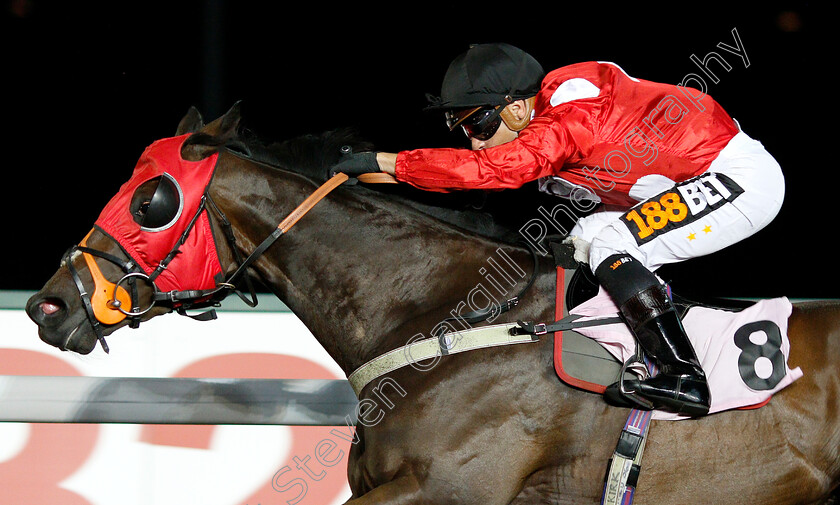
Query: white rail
x,y
305,402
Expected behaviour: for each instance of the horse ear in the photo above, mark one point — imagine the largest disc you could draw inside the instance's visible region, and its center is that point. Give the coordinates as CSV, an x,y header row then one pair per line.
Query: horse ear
x,y
190,123
210,138
229,129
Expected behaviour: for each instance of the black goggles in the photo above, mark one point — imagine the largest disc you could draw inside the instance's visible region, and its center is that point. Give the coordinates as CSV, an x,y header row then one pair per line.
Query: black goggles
x,y
480,123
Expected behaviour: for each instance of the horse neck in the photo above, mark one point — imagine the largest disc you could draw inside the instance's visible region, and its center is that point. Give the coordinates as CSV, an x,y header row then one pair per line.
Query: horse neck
x,y
364,274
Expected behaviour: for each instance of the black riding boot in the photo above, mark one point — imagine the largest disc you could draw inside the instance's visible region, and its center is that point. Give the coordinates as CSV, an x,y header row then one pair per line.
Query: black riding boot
x,y
680,384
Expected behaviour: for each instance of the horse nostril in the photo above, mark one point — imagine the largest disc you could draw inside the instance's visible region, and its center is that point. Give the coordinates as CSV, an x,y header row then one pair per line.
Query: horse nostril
x,y
49,308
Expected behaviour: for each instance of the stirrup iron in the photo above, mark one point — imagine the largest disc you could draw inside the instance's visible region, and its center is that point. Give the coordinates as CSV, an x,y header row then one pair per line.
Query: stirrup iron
x,y
635,363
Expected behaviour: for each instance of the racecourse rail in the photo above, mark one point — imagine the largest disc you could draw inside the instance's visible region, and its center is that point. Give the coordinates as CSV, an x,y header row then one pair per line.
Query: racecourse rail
x,y
142,400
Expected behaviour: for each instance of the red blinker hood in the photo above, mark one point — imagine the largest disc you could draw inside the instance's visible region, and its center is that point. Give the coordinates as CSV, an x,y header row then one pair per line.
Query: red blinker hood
x,y
196,266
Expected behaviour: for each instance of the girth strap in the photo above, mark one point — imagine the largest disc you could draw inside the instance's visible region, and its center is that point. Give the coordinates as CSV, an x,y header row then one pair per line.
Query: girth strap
x,y
625,464
421,350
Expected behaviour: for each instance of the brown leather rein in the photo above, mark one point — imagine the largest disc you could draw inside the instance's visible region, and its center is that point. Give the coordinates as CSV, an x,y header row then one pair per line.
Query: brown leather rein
x,y
301,210
325,189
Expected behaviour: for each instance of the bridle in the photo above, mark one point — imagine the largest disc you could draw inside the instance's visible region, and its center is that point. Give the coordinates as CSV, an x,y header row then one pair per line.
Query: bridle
x,y
107,304
111,303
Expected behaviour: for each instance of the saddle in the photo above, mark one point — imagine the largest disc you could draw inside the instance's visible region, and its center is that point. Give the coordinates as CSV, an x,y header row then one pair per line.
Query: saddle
x,y
583,362
593,346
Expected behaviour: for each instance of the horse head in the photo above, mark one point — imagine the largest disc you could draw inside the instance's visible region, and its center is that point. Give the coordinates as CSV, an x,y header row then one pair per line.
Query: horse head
x,y
199,202
159,244
110,280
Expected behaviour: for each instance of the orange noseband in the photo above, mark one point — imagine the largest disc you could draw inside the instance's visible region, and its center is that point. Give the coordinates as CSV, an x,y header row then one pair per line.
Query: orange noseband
x,y
104,292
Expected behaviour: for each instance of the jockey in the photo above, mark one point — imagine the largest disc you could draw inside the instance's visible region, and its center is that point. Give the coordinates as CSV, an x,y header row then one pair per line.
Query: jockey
x,y
675,175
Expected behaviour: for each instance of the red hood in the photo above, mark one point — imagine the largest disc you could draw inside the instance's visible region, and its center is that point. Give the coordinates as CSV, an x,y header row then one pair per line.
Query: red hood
x,y
196,266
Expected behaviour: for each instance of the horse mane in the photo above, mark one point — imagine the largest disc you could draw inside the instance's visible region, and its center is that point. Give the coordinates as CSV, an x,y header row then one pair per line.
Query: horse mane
x,y
497,215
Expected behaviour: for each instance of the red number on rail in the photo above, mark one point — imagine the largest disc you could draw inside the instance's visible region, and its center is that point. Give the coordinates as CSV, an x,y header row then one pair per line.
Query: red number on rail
x,y
52,452
300,479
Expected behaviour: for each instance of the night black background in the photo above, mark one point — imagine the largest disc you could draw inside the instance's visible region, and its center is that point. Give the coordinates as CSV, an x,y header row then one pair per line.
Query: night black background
x,y
88,85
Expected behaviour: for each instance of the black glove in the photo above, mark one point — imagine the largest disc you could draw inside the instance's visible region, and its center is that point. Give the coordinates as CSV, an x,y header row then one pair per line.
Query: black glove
x,y
354,164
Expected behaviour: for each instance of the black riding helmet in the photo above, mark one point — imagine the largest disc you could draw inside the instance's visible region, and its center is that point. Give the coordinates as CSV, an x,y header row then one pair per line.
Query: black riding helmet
x,y
486,75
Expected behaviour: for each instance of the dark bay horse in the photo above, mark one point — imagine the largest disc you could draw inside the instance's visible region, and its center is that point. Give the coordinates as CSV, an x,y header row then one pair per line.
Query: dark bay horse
x,y
367,271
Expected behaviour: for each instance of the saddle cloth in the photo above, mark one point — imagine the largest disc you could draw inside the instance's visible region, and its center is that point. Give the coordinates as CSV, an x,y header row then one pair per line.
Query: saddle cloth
x,y
744,354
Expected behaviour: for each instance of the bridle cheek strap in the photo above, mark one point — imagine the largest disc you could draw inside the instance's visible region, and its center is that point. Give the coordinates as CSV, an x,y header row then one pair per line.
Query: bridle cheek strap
x,y
86,303
103,306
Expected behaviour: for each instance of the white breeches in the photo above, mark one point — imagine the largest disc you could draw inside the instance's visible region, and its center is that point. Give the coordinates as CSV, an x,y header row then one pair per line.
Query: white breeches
x,y
740,193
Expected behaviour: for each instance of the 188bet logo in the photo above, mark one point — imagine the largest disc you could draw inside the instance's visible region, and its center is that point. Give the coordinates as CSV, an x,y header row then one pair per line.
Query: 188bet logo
x,y
677,207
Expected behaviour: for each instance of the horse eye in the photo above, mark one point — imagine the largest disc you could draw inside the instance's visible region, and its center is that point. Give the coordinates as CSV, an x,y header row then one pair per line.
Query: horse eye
x,y
143,209
157,203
